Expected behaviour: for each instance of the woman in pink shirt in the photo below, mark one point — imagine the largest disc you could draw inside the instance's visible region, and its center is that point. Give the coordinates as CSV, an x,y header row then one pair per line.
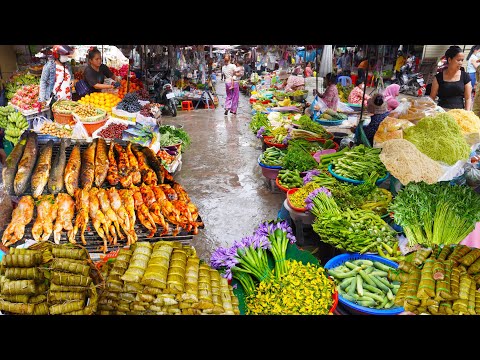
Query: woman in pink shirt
x,y
330,96
389,94
308,72
356,95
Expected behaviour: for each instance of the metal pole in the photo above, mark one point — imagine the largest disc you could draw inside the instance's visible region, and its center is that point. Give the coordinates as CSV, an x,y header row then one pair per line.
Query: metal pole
x,y
316,68
360,122
102,54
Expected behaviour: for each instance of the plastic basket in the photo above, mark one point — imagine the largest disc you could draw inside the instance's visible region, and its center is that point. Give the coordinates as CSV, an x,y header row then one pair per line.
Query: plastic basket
x,y
358,309
283,188
329,122
270,143
353,181
90,119
290,192
266,166
63,118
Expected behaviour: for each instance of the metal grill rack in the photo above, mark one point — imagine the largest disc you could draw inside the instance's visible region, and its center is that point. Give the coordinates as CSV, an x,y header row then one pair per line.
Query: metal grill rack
x,y
94,242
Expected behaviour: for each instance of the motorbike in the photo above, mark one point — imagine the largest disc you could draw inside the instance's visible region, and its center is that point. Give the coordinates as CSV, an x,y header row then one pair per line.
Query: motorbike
x,y
410,83
164,94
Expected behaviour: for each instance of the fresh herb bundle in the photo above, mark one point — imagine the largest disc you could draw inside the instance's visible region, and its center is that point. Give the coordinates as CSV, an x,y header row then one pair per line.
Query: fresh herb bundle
x,y
298,158
258,120
308,124
436,214
170,135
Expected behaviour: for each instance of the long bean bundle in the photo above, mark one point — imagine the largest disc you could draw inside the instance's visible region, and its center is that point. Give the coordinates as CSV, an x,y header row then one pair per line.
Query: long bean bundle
x,y
359,163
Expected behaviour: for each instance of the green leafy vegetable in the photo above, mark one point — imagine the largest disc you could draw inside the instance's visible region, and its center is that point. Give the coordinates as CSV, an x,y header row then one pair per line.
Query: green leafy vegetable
x,y
298,157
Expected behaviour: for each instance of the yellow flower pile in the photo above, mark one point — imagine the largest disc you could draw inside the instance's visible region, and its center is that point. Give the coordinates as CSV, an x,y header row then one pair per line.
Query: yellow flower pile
x,y
303,290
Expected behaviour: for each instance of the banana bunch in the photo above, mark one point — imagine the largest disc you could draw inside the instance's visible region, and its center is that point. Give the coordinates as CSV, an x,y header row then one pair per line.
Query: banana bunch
x,y
4,112
16,125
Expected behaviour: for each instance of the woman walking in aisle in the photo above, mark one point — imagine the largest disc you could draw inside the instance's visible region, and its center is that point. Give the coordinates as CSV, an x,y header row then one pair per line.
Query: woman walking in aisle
x,y
228,70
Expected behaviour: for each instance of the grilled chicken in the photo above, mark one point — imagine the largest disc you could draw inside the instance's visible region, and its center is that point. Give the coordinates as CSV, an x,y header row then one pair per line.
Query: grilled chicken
x,y
136,175
63,221
100,222
46,215
21,216
108,211
112,174
81,220
149,176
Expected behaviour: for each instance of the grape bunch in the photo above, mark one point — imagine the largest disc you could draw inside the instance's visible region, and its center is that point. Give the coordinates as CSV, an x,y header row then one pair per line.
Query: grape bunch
x,y
143,94
130,103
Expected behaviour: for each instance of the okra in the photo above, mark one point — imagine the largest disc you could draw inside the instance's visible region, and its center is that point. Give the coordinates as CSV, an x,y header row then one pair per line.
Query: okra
x,y
381,266
379,283
359,285
366,277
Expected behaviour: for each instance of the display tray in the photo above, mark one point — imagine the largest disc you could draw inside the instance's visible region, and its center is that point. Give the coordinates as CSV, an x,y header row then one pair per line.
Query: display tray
x,y
93,239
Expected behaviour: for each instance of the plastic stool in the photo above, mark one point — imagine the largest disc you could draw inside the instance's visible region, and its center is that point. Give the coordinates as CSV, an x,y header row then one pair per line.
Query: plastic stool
x,y
187,105
344,80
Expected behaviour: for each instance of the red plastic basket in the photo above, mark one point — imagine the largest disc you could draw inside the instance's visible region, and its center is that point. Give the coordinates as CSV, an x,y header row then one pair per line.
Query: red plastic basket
x,y
290,192
269,143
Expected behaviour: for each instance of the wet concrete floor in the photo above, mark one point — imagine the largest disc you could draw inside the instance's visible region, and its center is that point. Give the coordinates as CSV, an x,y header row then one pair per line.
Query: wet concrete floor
x,y
221,174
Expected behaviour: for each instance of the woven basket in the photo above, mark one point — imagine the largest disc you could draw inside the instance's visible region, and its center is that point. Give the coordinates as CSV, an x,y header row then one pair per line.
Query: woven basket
x,y
63,118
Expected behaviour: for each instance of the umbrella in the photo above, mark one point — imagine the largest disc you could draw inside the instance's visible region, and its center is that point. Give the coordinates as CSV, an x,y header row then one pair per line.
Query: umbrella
x,y
326,65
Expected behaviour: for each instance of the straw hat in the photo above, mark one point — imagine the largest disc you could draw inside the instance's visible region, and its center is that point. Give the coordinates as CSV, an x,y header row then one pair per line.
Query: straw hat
x,y
282,75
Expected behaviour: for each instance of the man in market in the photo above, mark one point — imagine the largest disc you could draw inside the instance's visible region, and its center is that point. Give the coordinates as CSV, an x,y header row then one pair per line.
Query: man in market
x,y
347,63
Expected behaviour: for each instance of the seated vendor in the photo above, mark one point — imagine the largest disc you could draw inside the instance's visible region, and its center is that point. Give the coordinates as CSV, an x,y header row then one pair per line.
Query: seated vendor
x,y
290,83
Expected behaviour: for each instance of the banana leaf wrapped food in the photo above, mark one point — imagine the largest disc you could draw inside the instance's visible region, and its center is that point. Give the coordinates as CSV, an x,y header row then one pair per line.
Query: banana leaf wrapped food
x,y
114,283
191,280
157,270
458,252
460,305
132,287
41,309
36,299
73,266
421,255
176,272
205,301
19,287
235,302
29,273
400,296
226,297
411,298
75,253
67,307
152,290
58,297
444,253
455,282
216,295
474,268
138,263
477,302
442,286
471,298
17,308
68,279
22,260
445,307
426,287
65,288
470,258
16,298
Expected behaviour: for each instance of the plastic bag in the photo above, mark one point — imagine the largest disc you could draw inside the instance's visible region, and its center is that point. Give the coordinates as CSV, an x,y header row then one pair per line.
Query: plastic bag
x,y
344,108
424,101
472,175
401,109
390,128
79,131
317,107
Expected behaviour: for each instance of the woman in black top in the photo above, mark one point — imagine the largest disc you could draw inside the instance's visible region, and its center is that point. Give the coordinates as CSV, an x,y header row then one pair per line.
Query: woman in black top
x,y
96,72
453,85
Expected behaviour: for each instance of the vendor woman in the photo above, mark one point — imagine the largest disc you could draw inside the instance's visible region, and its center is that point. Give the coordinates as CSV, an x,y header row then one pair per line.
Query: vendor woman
x,y
96,72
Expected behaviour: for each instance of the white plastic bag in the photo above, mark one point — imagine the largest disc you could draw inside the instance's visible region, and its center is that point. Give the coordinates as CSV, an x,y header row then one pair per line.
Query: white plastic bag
x,y
344,108
79,131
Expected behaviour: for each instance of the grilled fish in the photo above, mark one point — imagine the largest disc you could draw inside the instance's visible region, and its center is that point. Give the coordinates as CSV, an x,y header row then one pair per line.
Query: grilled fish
x,y
101,162
26,164
136,175
87,171
112,174
72,171
154,163
123,167
148,175
55,182
42,170
10,169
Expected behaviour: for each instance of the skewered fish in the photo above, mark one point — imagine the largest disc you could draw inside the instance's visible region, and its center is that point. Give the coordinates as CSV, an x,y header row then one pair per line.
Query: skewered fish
x,y
149,176
26,164
66,210
72,171
42,170
56,179
10,169
46,215
112,175
21,216
101,162
136,175
124,172
87,172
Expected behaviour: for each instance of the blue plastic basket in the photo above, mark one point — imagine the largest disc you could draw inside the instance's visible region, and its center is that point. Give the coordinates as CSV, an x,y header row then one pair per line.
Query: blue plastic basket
x,y
328,122
267,166
353,181
341,259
